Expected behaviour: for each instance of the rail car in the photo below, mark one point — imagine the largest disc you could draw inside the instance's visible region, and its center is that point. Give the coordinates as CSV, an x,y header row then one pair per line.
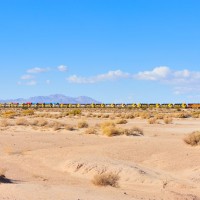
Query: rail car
x,y
101,105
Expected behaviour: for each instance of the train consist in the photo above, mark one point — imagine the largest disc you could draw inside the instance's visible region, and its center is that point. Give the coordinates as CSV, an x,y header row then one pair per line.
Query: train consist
x,y
102,105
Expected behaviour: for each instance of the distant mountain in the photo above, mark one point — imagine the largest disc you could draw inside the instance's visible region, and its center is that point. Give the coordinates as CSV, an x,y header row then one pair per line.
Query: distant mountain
x,y
56,98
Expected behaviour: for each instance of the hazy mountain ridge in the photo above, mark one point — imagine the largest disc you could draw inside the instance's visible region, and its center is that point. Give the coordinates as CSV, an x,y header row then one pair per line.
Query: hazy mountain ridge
x,y
57,98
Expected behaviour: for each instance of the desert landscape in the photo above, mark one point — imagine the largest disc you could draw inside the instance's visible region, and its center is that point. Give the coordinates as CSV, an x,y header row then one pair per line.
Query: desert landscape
x,y
101,154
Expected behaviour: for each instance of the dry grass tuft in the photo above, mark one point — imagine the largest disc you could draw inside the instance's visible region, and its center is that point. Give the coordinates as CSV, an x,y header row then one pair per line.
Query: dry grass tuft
x,y
168,120
4,123
22,122
121,121
9,114
152,120
193,139
28,112
83,124
42,122
91,131
135,131
106,179
111,131
70,127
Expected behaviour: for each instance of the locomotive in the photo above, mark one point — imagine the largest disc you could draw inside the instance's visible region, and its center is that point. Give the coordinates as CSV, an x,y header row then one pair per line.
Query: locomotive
x,y
100,105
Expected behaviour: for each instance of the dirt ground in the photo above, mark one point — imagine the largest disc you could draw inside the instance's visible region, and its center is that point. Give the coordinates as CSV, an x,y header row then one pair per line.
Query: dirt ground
x,y
47,164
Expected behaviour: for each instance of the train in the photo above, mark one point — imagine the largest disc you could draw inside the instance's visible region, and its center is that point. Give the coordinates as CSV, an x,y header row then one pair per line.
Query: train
x,y
100,105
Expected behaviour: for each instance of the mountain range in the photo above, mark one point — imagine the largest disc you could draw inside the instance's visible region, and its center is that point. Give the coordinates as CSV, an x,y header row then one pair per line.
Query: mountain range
x,y
56,98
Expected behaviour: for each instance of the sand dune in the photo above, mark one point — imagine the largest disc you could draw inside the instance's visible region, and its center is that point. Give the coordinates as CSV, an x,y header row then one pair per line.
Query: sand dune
x,y
61,164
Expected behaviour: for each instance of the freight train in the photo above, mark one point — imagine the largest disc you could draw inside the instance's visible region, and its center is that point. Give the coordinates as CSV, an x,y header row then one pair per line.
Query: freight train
x,y
102,105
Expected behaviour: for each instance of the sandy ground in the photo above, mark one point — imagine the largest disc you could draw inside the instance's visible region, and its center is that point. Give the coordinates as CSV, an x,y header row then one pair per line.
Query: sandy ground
x,y
59,165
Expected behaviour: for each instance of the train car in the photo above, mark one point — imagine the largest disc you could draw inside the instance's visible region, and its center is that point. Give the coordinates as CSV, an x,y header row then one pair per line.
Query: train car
x,y
154,105
131,105
122,105
14,105
180,105
194,105
110,105
64,105
143,105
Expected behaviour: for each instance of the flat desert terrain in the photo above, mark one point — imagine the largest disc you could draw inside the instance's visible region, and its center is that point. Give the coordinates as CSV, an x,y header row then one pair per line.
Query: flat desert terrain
x,y
50,156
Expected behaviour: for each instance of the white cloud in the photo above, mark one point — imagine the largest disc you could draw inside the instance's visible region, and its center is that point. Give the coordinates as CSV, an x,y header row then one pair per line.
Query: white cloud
x,y
37,70
111,75
62,68
31,83
27,77
157,73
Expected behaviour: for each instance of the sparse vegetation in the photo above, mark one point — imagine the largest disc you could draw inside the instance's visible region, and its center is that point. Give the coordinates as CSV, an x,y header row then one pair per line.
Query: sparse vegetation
x,y
106,179
22,122
168,120
121,121
135,131
152,120
91,131
83,124
193,139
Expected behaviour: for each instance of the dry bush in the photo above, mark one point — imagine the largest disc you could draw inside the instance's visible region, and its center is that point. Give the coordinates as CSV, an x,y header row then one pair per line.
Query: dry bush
x,y
193,139
106,179
9,114
160,116
107,123
105,116
135,131
57,126
91,131
75,112
182,115
121,121
22,122
70,127
111,131
42,122
168,120
83,124
34,122
5,123
152,120
28,112
145,115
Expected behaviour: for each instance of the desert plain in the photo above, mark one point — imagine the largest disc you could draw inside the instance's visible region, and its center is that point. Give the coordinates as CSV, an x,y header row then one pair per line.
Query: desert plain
x,y
54,154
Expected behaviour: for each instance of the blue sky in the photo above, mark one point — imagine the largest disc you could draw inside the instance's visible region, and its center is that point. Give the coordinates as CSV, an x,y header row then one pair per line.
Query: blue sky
x,y
111,50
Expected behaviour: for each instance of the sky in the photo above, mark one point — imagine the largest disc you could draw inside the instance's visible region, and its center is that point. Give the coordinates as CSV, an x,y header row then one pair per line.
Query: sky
x,y
111,50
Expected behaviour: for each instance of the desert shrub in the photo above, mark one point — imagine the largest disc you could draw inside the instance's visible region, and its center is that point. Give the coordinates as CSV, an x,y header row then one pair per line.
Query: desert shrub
x,y
111,131
4,123
106,179
193,139
34,122
107,123
70,127
168,120
135,131
152,120
105,116
91,131
42,122
75,112
22,122
83,124
159,116
57,126
28,112
121,121
182,115
9,114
